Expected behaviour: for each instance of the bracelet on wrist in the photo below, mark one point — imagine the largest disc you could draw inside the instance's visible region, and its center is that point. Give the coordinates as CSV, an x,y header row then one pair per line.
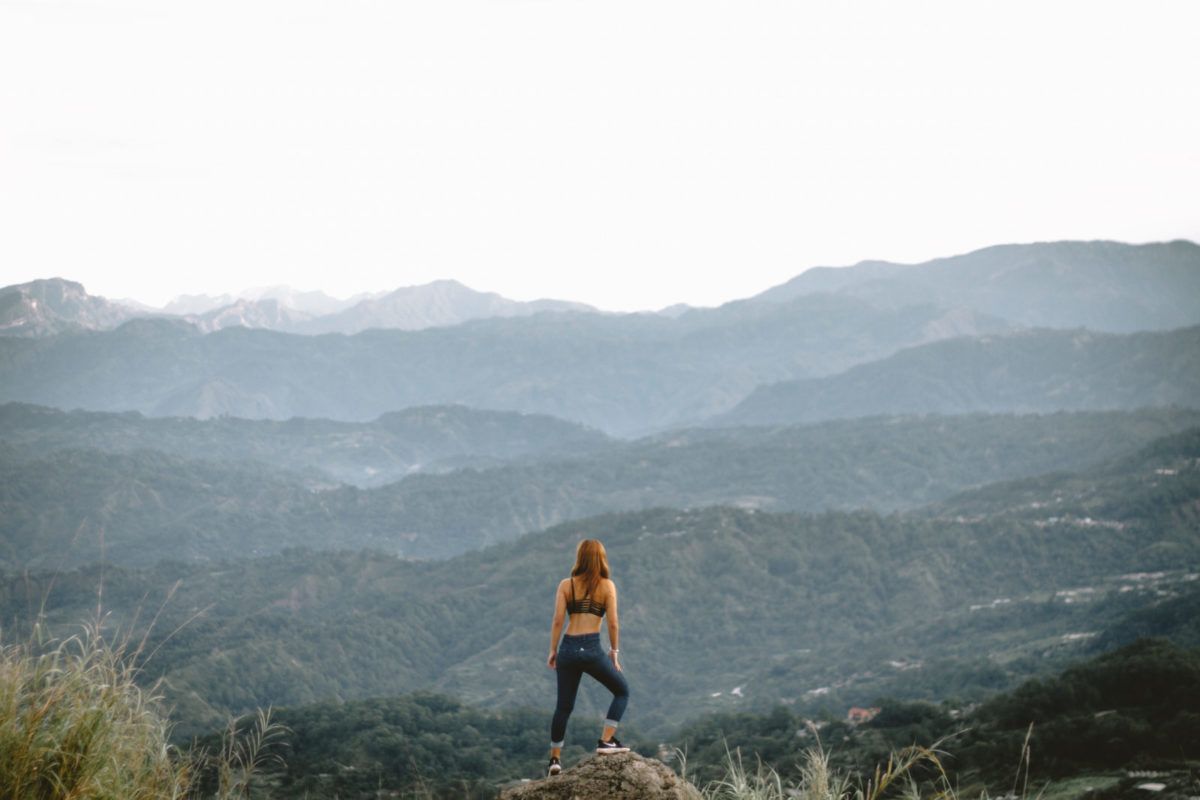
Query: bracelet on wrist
x,y
614,650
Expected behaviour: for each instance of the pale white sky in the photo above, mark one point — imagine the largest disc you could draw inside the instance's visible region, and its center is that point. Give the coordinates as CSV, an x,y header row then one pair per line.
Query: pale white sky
x,y
625,154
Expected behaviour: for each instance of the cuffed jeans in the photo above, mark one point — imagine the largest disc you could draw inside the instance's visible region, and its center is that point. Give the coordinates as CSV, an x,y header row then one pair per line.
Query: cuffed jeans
x,y
577,655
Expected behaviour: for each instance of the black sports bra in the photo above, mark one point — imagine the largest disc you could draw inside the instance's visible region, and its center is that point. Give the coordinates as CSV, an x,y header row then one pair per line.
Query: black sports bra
x,y
584,605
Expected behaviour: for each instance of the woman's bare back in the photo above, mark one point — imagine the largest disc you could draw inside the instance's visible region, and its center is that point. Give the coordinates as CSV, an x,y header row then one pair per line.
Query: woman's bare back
x,y
585,623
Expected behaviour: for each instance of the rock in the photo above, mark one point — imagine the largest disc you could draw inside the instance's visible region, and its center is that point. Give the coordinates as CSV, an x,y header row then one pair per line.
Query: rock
x,y
624,776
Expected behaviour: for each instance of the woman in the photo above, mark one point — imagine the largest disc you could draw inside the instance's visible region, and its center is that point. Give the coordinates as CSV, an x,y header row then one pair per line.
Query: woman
x,y
586,596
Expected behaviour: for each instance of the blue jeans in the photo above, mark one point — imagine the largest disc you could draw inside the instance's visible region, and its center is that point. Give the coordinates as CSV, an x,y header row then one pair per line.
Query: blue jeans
x,y
577,655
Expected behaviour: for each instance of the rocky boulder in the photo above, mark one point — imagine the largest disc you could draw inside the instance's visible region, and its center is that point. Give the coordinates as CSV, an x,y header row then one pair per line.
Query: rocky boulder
x,y
624,776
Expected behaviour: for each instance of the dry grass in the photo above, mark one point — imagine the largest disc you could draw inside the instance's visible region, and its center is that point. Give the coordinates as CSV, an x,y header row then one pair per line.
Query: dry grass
x,y
819,782
76,725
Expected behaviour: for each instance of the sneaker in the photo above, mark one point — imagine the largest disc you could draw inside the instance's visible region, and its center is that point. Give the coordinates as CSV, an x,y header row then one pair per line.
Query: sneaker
x,y
554,767
614,746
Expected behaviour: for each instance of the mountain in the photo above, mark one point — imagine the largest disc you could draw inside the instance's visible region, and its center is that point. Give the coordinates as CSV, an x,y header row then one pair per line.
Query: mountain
x,y
1030,371
195,304
624,374
46,307
1136,708
428,439
312,304
138,506
807,610
437,304
276,308
1105,286
42,308
267,313
1068,498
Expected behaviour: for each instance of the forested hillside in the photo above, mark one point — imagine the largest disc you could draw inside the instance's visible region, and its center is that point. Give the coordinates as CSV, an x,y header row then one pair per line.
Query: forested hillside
x,y
804,609
1139,705
426,439
71,507
1032,371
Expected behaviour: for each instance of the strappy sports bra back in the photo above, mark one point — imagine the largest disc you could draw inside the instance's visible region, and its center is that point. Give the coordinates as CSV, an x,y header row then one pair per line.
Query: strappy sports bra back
x,y
583,605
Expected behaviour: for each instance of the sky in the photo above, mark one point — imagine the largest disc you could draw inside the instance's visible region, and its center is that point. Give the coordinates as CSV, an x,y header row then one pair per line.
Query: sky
x,y
630,155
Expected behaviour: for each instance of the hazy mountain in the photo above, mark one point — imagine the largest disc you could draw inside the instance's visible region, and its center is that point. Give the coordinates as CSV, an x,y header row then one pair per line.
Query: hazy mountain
x,y
193,304
138,306
1031,371
807,610
1100,285
312,304
675,310
620,373
436,304
68,506
1098,493
45,307
430,439
269,314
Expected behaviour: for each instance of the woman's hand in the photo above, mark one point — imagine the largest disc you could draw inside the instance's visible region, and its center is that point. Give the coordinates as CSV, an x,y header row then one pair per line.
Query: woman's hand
x,y
552,661
615,659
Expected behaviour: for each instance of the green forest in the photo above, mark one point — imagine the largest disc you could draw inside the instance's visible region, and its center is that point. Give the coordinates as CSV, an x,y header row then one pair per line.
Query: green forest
x,y
846,606
68,507
1138,706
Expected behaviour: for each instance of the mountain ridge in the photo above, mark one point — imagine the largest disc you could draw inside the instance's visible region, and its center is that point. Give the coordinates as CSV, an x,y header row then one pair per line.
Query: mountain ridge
x,y
138,506
1099,284
53,305
1024,372
624,374
439,303
1102,285
386,449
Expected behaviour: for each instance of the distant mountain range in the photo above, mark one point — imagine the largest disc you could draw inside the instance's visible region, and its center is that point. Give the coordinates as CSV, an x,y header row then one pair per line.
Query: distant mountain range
x,y
54,305
436,304
1105,286
1028,371
312,304
432,305
741,364
624,374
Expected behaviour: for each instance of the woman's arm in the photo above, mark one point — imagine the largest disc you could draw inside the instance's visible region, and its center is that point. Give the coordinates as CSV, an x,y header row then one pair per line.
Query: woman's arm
x,y
614,625
556,625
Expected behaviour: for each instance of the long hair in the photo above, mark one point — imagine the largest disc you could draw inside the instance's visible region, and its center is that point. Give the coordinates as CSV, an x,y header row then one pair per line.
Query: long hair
x,y
591,562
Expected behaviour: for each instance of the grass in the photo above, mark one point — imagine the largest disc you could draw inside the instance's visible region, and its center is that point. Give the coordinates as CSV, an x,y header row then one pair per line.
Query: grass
x,y
76,725
818,781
